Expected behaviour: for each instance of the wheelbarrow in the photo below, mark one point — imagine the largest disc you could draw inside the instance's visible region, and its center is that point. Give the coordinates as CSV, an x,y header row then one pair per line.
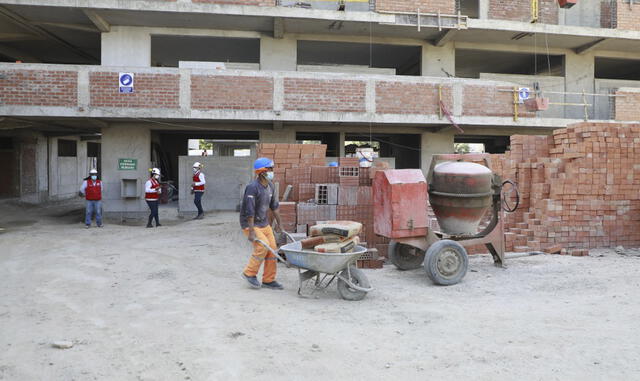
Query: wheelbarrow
x,y
352,283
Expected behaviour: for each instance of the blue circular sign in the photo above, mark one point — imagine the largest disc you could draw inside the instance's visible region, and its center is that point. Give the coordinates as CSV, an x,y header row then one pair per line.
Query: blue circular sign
x,y
126,80
524,93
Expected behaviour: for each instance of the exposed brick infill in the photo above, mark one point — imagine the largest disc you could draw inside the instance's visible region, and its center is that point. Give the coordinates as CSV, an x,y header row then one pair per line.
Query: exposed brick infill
x,y
520,10
306,94
150,91
231,92
39,88
410,98
425,6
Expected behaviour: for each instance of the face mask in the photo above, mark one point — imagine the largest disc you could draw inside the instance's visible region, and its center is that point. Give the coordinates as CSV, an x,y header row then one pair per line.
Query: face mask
x,y
269,176
156,177
195,170
94,177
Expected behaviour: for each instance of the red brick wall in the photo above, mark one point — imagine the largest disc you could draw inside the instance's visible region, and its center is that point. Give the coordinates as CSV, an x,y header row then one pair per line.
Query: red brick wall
x,y
490,101
426,6
621,16
410,98
627,106
261,3
302,94
39,88
151,91
226,92
520,10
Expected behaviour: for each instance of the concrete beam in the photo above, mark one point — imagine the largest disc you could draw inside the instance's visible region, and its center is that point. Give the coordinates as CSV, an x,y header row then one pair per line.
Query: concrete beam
x,y
589,46
18,37
80,27
26,24
445,37
97,20
17,55
97,122
278,27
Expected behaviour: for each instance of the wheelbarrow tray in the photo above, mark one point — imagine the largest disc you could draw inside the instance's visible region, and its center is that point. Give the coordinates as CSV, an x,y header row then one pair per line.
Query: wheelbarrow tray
x,y
329,263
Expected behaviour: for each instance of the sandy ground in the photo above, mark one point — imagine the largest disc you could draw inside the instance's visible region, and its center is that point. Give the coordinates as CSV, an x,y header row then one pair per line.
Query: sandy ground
x,y
169,304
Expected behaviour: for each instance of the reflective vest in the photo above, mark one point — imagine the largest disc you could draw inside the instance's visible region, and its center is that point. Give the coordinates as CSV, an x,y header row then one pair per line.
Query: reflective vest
x,y
153,196
196,179
93,192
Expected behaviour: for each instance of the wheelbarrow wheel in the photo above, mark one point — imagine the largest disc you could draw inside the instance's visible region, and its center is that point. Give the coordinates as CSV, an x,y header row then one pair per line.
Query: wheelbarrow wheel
x,y
446,262
359,279
405,257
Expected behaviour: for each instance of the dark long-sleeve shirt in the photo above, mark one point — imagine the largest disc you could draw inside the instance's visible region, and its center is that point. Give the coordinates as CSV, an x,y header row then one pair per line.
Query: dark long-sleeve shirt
x,y
255,203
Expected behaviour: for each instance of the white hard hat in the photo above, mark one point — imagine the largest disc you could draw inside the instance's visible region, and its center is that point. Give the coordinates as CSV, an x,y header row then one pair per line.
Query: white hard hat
x,y
155,171
93,170
197,164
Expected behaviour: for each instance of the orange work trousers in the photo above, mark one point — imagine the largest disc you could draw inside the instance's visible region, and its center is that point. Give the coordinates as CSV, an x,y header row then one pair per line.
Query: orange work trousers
x,y
261,254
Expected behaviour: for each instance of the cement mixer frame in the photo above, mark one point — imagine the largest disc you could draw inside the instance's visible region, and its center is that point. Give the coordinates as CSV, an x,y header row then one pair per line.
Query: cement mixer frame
x,y
444,256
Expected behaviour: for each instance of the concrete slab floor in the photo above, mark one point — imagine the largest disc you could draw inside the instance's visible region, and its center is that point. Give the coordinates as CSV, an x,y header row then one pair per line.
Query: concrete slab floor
x,y
169,304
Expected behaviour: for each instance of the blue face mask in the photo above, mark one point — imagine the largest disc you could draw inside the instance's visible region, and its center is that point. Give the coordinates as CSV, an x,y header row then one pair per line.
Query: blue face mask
x,y
269,176
94,177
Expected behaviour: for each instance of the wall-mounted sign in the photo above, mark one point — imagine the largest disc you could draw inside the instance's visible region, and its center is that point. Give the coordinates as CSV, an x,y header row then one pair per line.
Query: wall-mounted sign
x,y
523,94
125,82
127,164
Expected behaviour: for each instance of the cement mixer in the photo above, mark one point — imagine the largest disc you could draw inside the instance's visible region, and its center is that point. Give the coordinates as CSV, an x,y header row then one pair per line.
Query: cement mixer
x,y
461,192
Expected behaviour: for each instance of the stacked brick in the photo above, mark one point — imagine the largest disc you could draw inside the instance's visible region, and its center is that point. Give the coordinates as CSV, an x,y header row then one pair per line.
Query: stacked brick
x,y
579,188
292,156
321,193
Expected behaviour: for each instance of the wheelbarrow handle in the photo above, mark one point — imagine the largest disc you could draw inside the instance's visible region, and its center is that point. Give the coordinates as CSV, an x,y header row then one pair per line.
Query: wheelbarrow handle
x,y
273,252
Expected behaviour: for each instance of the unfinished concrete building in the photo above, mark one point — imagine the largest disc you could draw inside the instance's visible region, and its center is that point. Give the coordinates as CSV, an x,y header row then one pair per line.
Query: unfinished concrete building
x,y
123,85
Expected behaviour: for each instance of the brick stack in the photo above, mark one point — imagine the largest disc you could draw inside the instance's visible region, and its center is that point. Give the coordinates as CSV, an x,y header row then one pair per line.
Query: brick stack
x,y
287,156
580,188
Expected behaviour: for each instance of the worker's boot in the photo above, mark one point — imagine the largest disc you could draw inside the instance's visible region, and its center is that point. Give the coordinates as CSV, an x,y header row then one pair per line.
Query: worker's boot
x,y
149,225
273,285
253,281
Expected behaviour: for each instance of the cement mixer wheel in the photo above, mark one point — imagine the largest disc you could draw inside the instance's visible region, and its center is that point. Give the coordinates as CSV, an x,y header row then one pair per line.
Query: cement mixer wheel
x,y
405,257
446,263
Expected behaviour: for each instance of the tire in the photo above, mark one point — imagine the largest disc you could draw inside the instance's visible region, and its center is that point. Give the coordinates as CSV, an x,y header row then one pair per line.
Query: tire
x,y
405,257
358,278
446,263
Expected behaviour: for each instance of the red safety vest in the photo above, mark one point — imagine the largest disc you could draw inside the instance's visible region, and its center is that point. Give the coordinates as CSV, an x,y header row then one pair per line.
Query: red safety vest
x,y
196,179
93,192
153,195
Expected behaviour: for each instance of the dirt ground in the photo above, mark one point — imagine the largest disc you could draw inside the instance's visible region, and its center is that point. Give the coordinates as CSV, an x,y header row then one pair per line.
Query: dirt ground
x,y
168,304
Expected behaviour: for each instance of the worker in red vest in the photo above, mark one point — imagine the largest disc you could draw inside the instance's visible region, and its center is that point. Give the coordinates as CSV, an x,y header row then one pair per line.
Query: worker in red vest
x,y
92,191
198,188
152,194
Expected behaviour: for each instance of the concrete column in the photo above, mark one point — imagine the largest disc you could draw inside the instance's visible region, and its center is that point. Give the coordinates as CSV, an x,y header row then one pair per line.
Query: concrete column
x,y
120,142
278,53
431,144
126,46
579,76
284,135
483,9
436,59
341,143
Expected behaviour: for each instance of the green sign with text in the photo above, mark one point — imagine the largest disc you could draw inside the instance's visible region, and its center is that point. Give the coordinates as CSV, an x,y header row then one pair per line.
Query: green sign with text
x,y
127,164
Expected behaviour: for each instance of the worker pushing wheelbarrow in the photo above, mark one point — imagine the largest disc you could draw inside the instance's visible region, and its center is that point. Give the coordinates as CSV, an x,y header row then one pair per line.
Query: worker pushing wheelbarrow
x,y
325,262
